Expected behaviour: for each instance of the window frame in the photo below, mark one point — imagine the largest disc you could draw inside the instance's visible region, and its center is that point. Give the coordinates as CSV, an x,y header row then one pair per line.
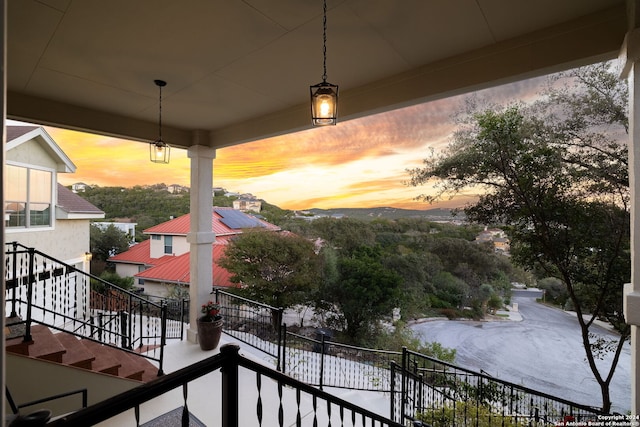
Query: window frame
x,y
27,225
168,244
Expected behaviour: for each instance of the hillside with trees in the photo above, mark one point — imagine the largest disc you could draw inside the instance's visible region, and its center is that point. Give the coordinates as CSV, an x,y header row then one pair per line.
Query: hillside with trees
x,y
364,269
357,271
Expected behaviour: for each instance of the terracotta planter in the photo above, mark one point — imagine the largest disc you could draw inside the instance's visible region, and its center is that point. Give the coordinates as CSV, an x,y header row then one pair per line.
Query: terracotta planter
x,y
209,333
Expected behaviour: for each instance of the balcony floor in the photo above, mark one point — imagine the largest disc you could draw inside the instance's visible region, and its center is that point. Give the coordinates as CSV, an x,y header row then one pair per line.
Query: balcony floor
x,y
204,394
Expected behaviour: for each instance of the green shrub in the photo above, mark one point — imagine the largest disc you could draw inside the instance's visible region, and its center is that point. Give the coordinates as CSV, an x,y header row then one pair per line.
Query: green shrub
x,y
467,413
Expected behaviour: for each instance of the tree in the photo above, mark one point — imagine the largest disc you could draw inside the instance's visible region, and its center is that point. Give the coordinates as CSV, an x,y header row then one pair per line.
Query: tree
x,y
554,290
556,174
107,242
365,291
346,234
449,290
279,269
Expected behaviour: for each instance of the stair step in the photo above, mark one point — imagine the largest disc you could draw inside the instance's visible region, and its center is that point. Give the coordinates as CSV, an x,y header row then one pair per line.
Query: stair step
x,y
129,365
77,354
142,369
105,361
66,348
43,345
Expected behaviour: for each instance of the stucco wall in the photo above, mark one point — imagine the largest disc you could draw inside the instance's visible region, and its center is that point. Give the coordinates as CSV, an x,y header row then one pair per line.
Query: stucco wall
x,y
179,243
68,241
53,378
127,270
31,153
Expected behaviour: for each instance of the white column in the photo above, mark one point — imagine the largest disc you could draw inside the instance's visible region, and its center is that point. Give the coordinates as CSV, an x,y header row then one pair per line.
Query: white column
x,y
201,236
631,56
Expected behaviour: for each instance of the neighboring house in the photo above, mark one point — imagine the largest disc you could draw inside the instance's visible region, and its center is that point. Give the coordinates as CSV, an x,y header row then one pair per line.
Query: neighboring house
x,y
79,187
175,188
247,205
164,260
39,212
497,237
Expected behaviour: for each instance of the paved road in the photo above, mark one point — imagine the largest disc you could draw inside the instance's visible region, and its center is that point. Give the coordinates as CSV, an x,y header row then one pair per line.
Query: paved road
x,y
543,352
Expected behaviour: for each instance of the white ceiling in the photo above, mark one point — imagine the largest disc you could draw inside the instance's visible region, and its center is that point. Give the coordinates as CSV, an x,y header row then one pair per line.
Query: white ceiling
x,y
240,70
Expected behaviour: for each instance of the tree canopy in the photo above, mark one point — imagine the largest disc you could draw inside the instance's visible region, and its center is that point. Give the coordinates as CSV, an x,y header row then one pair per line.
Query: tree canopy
x,y
279,269
365,291
555,173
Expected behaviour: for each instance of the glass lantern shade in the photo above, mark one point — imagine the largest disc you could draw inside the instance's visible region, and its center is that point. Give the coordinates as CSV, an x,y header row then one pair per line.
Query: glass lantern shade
x,y
324,104
159,152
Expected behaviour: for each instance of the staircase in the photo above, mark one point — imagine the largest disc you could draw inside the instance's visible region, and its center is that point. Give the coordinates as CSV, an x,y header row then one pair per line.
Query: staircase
x,y
67,349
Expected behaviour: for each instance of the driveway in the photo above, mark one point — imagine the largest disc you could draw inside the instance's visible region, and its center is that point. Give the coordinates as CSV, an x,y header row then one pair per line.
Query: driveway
x,y
542,352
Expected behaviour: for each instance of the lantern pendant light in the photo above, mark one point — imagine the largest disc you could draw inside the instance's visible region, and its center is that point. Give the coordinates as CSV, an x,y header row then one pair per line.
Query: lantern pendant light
x,y
324,96
159,151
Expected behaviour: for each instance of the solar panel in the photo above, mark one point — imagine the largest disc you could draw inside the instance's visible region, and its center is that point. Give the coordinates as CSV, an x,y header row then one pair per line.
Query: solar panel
x,y
236,219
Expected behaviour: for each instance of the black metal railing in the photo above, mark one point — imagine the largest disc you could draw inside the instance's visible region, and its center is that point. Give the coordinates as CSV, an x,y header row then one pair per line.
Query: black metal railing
x,y
322,362
421,387
41,289
269,398
442,394
253,323
177,314
16,407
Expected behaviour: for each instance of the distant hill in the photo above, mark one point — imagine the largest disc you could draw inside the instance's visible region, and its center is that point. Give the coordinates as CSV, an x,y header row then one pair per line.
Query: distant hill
x,y
390,213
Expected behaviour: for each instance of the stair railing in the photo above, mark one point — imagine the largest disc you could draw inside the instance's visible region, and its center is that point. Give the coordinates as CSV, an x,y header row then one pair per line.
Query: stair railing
x,y
47,291
291,398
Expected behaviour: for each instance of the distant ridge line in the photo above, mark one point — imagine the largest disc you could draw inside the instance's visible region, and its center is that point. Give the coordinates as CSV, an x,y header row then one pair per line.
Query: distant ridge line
x,y
435,214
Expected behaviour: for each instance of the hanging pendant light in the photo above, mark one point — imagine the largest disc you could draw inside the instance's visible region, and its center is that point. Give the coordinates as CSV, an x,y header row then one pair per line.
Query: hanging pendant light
x,y
159,151
324,96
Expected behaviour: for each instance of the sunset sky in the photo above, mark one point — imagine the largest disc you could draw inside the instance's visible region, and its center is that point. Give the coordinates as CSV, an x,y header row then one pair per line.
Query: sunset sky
x,y
358,163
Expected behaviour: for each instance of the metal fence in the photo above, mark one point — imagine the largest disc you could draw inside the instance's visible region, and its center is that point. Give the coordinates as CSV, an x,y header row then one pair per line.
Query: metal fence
x,y
41,289
177,314
322,362
253,323
252,394
422,388
442,394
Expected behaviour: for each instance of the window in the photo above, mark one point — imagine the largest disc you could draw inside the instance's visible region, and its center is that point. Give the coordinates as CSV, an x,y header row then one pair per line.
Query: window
x,y
168,244
156,237
28,201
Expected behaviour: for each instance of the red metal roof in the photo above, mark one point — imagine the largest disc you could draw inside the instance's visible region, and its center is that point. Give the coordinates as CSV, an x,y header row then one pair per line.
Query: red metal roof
x,y
176,270
181,225
140,254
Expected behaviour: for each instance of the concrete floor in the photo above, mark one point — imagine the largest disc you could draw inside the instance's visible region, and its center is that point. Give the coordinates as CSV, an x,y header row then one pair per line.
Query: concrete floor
x,y
204,395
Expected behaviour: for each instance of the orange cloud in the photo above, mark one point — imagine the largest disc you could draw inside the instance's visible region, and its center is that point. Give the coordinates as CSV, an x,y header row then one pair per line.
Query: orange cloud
x,y
358,163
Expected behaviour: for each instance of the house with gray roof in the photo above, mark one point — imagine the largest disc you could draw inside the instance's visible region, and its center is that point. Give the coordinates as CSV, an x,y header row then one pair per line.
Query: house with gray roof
x,y
40,213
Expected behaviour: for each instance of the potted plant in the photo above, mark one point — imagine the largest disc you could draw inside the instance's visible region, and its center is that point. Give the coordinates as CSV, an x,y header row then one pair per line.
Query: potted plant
x,y
210,326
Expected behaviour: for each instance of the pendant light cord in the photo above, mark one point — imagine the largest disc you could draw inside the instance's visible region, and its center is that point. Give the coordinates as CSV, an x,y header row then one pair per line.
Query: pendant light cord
x,y
160,115
324,42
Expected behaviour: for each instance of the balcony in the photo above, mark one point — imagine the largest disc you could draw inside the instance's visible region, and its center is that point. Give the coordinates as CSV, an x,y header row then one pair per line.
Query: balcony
x,y
262,375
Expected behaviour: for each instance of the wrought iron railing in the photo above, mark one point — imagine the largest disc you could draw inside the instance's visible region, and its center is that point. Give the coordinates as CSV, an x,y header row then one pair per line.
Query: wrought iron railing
x,y
420,387
256,324
442,394
41,289
44,290
322,362
269,398
177,314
